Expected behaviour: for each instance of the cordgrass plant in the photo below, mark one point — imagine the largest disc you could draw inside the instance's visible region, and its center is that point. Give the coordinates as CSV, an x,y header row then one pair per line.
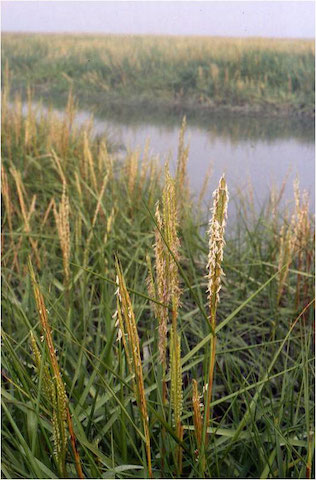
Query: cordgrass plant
x,y
125,382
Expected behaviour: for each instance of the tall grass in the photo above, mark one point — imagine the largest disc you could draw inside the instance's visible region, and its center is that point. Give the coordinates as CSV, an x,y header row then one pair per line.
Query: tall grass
x,y
126,363
194,72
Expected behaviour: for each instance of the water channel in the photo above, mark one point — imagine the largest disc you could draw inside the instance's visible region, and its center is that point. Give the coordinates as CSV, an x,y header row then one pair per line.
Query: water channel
x,y
263,151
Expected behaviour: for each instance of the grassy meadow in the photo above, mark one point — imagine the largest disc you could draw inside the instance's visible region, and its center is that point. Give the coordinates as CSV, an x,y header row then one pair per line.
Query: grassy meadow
x,y
139,340
167,73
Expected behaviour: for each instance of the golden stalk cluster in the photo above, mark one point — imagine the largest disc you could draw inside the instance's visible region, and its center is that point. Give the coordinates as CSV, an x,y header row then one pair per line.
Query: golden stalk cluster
x,y
294,239
165,287
129,335
54,388
26,215
166,290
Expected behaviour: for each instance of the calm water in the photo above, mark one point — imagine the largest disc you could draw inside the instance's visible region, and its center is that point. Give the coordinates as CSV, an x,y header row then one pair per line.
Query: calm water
x,y
261,150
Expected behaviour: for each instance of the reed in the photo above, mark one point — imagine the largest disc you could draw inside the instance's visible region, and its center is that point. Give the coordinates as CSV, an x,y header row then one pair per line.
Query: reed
x,y
181,179
166,257
54,385
54,392
61,215
215,257
197,415
166,290
176,392
132,171
158,290
26,215
303,234
59,167
286,250
128,331
161,291
95,216
89,171
47,381
6,195
294,242
171,240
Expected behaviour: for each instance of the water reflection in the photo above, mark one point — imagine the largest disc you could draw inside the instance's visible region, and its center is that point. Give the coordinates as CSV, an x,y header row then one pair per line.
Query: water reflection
x,y
233,126
262,151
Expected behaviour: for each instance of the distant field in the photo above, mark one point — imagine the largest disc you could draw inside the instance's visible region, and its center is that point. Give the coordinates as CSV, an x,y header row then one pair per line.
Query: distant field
x,y
259,75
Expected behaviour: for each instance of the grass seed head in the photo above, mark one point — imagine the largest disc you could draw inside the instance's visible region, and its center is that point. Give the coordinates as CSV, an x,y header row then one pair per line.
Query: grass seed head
x,y
63,229
216,245
131,343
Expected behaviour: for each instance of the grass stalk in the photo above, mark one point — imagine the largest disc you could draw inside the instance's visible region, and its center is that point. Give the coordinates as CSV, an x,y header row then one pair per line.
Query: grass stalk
x,y
129,333
54,386
215,272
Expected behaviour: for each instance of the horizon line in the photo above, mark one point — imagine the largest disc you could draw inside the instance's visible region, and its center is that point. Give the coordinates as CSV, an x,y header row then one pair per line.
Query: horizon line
x,y
54,32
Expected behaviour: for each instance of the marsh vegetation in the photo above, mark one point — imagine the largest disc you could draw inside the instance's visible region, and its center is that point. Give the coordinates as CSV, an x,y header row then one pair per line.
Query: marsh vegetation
x,y
144,335
167,73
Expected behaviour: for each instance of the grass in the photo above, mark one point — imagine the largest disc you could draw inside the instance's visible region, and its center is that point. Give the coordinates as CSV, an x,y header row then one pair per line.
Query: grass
x,y
167,73
117,385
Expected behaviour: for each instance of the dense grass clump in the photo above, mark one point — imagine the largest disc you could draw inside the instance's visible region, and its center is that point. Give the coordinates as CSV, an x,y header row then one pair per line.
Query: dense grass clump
x,y
109,330
193,73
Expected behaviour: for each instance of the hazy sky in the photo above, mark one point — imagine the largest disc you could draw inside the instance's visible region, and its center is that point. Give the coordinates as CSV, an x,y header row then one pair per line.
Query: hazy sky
x,y
229,18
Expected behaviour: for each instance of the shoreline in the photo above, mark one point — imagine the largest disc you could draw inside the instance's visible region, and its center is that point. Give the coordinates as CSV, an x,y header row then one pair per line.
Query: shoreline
x,y
158,106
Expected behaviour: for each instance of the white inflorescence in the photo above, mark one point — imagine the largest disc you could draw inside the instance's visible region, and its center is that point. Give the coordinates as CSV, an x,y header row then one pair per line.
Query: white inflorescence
x,y
216,239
